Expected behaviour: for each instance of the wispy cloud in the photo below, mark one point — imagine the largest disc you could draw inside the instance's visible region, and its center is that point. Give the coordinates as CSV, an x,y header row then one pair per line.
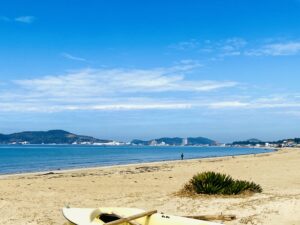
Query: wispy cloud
x,y
260,103
50,108
120,80
186,45
111,89
20,19
231,47
220,48
276,49
228,104
134,89
25,19
161,88
72,57
236,46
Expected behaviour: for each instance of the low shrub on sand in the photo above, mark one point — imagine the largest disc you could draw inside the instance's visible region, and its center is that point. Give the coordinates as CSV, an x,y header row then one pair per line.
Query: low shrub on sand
x,y
216,183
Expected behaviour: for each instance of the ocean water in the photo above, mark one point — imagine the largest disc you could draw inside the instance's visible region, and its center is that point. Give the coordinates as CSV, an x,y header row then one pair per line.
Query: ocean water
x,y
34,158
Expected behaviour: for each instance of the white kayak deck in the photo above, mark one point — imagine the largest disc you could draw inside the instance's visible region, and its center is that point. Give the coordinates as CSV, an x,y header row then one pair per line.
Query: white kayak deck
x,y
91,216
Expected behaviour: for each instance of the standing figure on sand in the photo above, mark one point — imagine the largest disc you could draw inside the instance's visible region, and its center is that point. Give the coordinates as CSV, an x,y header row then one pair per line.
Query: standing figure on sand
x,y
182,156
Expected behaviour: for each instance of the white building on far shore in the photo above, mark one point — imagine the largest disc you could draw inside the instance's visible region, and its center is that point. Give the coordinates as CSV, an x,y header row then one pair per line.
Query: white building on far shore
x,y
153,143
185,141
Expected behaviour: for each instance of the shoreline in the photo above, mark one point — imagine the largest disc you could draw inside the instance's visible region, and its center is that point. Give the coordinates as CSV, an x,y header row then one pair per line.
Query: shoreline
x,y
58,171
37,198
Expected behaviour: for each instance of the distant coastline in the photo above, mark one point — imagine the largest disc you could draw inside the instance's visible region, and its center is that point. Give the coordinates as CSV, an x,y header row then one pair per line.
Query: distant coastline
x,y
65,137
62,137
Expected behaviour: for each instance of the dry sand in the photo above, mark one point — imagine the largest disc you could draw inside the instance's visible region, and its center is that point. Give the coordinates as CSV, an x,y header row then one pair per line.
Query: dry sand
x,y
38,198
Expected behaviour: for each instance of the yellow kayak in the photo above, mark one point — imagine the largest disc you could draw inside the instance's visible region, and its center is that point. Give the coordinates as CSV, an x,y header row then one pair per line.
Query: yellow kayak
x,y
125,216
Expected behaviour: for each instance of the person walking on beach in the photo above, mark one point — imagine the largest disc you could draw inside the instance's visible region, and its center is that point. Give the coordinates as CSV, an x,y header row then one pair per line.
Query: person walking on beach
x,y
182,156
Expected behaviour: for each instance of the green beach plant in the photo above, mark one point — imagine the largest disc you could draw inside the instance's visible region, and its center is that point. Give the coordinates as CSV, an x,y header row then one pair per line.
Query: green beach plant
x,y
213,183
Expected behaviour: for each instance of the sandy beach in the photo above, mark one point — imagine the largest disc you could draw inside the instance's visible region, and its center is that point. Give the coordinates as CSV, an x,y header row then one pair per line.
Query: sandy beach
x,y
38,198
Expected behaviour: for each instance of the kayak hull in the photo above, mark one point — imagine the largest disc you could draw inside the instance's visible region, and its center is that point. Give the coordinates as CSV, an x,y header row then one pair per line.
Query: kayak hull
x,y
90,216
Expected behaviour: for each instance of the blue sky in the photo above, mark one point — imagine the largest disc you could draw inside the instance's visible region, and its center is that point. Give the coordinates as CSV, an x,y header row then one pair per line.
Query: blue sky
x,y
227,70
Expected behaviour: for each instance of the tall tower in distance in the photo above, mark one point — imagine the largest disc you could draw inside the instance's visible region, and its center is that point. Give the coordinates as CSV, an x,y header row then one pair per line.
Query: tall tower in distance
x,y
185,141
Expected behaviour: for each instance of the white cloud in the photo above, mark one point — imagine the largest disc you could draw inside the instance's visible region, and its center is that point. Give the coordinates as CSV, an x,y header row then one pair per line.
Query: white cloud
x,y
132,89
236,42
20,19
254,104
228,104
240,47
229,47
161,88
220,48
29,107
25,19
110,89
105,82
72,57
276,49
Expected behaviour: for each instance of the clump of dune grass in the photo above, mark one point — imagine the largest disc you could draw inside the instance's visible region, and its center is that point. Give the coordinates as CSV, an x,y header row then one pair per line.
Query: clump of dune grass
x,y
212,183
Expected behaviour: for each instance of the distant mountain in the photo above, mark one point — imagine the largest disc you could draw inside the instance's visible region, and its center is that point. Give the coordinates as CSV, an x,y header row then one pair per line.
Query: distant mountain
x,y
252,141
289,142
47,137
139,142
170,141
176,141
201,140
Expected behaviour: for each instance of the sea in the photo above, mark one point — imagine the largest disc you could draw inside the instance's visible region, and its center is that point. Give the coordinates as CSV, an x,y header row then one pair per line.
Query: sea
x,y
37,158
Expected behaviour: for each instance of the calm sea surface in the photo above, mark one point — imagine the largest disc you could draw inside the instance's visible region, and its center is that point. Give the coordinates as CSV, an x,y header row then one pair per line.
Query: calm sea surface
x,y
33,158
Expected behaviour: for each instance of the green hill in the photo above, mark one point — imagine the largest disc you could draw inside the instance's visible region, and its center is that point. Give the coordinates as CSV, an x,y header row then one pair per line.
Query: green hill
x,y
47,137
